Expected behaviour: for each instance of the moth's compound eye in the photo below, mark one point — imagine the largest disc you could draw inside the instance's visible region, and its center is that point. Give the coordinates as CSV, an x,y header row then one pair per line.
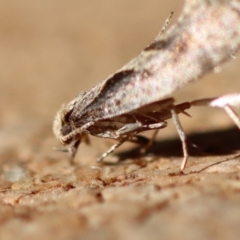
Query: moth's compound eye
x,y
66,129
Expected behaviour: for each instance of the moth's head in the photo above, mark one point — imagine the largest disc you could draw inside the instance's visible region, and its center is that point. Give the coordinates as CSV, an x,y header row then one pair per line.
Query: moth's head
x,y
65,132
62,126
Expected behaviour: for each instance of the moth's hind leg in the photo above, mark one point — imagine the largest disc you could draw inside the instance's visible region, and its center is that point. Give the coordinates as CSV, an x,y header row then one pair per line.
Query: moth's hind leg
x,y
226,102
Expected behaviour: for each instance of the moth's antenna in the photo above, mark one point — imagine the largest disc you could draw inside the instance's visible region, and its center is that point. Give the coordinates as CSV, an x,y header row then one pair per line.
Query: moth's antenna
x,y
167,21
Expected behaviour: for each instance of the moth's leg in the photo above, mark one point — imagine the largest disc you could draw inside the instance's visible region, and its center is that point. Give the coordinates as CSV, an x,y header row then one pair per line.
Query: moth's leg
x,y
139,139
129,130
224,102
182,136
113,148
233,115
139,127
75,137
72,150
156,126
150,143
85,139
76,132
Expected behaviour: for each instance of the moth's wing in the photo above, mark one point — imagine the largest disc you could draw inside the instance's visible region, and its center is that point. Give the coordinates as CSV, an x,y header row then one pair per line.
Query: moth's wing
x,y
182,55
144,80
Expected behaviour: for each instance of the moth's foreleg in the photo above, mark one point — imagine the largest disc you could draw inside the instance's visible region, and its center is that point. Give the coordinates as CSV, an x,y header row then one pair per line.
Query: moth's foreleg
x,y
73,150
76,132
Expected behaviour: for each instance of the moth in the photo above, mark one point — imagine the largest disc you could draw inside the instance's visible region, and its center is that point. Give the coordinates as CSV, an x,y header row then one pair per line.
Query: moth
x,y
137,97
